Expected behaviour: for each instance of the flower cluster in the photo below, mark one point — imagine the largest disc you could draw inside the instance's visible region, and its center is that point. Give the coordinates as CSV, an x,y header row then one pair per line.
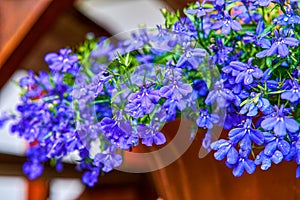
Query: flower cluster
x,y
236,57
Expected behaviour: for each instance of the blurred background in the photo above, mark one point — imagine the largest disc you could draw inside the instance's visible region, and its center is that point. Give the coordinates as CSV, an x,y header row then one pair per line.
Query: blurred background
x,y
29,30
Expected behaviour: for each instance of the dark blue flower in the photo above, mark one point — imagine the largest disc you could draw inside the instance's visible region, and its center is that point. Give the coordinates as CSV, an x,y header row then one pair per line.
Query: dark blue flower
x,y
200,87
279,122
222,52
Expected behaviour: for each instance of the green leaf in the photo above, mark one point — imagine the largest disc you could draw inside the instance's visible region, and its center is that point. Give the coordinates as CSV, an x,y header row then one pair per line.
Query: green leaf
x,y
245,102
68,79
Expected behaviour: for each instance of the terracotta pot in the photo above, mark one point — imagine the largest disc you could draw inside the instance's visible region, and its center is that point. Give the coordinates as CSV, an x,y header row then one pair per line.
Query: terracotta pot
x,y
192,178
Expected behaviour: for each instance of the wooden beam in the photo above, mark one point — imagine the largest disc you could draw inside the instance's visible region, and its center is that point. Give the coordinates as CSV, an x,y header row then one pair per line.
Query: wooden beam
x,y
30,35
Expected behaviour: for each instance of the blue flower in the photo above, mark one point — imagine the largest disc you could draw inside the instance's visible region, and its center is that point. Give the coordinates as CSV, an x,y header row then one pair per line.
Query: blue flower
x,y
293,95
142,102
275,150
91,177
247,71
266,161
280,45
151,134
117,131
243,164
289,18
222,52
192,56
256,102
206,120
64,61
258,38
176,90
279,122
200,87
227,24
199,11
108,159
220,94
225,148
33,167
245,134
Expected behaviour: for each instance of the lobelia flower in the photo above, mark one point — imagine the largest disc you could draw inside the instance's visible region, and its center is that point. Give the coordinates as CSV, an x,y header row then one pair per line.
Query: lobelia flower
x,y
220,94
108,159
245,134
33,167
227,24
256,102
64,61
90,178
206,120
293,95
117,131
276,147
151,134
258,38
221,52
191,56
243,164
233,118
289,18
247,71
176,89
279,122
142,102
199,11
280,45
225,148
200,87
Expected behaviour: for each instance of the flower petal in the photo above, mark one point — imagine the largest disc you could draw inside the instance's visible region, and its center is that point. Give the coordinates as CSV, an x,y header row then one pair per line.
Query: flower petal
x,y
268,123
277,157
284,147
291,124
